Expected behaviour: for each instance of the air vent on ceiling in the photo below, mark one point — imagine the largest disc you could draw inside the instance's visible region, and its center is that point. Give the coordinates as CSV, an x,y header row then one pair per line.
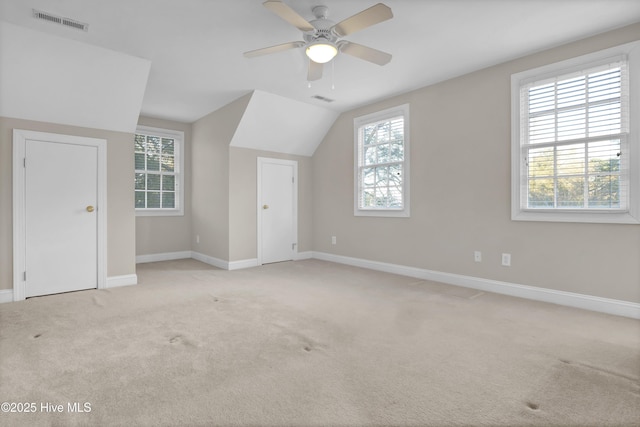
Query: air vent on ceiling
x,y
67,22
322,98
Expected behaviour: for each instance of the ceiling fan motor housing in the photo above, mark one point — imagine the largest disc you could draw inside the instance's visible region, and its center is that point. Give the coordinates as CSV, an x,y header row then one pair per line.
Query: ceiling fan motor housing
x,y
322,27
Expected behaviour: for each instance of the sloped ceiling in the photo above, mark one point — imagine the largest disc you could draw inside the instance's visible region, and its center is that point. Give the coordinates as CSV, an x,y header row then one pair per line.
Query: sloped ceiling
x,y
52,79
196,46
96,78
282,125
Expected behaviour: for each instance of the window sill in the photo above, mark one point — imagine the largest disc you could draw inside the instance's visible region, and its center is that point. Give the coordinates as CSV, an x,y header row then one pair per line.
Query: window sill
x,y
159,212
382,213
598,217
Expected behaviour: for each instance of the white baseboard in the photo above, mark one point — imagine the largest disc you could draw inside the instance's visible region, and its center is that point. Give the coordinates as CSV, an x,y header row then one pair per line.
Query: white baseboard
x,y
6,295
586,302
167,256
244,263
303,255
216,262
124,280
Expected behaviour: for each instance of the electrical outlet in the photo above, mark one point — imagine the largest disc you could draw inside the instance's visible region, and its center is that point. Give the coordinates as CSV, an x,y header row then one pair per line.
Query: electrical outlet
x,y
506,260
477,256
333,240
197,238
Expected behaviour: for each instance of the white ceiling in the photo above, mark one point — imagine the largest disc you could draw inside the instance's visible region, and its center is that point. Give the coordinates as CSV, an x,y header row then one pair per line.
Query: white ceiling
x,y
264,126
57,80
195,46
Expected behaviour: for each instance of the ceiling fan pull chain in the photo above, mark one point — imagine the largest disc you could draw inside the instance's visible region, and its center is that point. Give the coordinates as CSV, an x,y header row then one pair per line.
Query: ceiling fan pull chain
x,y
333,74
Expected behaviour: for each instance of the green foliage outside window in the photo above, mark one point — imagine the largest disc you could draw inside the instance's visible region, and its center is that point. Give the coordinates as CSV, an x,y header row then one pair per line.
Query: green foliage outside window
x,y
155,181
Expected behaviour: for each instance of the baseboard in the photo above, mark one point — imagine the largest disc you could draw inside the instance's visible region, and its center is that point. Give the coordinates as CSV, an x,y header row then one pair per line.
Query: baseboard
x,y
6,295
244,263
124,280
303,255
166,256
586,302
216,262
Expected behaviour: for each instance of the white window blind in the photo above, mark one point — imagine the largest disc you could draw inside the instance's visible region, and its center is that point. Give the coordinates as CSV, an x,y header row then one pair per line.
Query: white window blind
x,y
574,130
382,163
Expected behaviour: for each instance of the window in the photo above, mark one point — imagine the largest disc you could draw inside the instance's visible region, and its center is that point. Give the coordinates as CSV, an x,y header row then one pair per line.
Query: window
x,y
159,183
575,151
382,163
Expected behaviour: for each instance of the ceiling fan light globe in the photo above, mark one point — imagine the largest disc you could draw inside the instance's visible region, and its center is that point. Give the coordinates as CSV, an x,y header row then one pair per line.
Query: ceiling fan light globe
x,y
321,52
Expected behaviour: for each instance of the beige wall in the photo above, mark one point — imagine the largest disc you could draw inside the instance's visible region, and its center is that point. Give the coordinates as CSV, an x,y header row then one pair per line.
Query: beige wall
x,y
210,178
459,125
243,194
210,165
460,193
162,234
120,202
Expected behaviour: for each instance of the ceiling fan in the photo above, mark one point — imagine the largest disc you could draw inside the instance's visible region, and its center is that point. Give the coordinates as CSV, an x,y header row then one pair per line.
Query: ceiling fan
x,y
323,37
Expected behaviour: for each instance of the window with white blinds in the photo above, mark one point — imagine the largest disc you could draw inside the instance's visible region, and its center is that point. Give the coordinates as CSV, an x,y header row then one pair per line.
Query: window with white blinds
x,y
158,171
576,129
382,162
574,145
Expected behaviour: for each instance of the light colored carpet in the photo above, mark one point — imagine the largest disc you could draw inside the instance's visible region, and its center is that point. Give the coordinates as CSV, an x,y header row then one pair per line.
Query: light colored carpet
x,y
312,343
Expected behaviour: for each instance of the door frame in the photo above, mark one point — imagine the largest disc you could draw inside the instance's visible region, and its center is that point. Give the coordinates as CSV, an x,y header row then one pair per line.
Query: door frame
x,y
20,138
294,163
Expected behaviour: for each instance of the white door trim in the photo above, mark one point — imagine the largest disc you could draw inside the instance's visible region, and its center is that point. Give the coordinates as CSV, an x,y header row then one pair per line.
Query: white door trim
x,y
262,161
20,138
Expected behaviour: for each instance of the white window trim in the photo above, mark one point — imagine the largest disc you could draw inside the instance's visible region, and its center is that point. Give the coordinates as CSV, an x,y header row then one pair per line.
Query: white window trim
x,y
630,216
402,110
179,165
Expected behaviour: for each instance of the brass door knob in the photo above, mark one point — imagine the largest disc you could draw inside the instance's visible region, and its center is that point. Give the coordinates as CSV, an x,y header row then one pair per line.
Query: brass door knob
x,y
89,208
265,206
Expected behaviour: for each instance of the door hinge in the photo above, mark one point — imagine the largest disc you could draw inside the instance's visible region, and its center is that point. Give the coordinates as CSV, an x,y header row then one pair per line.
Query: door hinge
x,y
24,162
24,276
293,180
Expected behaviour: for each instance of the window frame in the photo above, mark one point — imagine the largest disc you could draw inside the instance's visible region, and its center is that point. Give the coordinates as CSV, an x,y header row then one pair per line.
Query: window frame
x,y
358,123
178,137
630,215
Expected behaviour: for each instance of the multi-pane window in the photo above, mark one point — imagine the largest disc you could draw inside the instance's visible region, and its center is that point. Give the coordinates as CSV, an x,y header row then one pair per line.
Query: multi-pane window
x,y
574,146
158,171
382,158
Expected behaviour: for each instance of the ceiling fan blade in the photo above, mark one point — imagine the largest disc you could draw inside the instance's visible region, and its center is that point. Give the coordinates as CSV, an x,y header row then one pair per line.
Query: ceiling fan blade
x,y
364,52
291,16
273,49
315,71
366,18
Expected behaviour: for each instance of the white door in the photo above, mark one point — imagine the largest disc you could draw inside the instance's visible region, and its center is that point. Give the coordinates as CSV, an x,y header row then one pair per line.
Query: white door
x,y
277,210
60,217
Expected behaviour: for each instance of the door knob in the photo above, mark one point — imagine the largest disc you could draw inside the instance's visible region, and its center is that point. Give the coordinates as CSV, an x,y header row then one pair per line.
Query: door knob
x,y
265,206
89,208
